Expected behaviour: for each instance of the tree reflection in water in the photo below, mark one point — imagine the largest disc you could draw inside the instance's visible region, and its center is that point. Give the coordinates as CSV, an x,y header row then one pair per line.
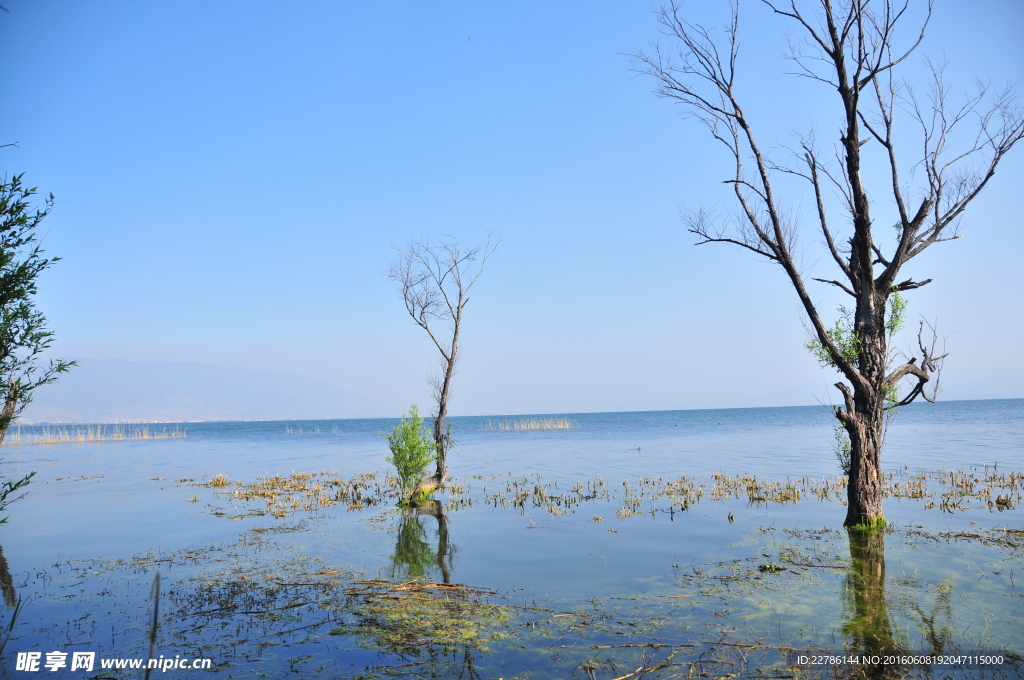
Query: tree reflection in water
x,y
414,556
6,582
868,625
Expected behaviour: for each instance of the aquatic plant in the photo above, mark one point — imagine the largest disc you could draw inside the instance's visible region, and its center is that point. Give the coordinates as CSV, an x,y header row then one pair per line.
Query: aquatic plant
x,y
284,496
313,492
93,433
532,424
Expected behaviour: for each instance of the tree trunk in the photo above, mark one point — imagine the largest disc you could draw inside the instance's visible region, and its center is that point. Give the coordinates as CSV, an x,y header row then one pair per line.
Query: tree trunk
x,y
441,439
7,415
866,421
864,491
440,435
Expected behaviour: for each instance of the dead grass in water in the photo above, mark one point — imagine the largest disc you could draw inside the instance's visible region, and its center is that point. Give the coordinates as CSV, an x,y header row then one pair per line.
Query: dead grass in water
x,y
532,424
280,496
91,433
284,496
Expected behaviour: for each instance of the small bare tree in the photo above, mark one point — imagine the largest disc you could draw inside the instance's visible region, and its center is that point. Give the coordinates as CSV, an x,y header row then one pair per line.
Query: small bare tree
x,y
435,280
851,47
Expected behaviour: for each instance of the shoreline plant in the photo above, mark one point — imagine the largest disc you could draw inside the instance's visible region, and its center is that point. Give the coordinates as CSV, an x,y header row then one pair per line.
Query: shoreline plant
x,y
413,450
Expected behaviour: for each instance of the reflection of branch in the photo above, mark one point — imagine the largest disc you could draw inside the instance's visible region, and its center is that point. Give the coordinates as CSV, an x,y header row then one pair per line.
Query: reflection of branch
x,y
937,639
7,582
737,644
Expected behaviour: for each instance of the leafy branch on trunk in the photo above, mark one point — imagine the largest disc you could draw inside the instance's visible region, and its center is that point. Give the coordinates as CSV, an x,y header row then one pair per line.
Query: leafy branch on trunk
x,y
24,337
23,333
854,48
434,281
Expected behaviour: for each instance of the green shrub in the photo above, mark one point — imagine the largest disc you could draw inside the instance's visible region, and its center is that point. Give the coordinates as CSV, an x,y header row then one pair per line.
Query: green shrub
x,y
412,449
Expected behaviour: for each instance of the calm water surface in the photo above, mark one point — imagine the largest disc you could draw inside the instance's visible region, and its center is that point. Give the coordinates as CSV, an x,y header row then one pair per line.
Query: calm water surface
x,y
93,504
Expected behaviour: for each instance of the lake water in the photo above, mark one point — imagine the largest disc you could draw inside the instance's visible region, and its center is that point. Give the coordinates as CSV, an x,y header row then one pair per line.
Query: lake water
x,y
595,585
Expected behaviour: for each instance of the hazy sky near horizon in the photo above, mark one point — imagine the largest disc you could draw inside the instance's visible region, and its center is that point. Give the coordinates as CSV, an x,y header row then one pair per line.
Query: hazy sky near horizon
x,y
230,176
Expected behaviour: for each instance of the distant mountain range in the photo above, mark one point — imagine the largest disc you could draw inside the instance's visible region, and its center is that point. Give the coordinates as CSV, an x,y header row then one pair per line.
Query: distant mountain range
x,y
170,391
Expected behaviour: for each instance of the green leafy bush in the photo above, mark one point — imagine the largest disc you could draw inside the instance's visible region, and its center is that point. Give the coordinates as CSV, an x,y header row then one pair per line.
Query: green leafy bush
x,y
412,449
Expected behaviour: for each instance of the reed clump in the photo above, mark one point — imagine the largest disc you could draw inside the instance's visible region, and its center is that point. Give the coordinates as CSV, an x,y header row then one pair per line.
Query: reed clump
x,y
91,433
314,430
532,424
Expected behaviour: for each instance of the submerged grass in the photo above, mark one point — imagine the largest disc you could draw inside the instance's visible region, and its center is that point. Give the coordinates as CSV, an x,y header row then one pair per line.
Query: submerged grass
x,y
91,433
262,600
260,603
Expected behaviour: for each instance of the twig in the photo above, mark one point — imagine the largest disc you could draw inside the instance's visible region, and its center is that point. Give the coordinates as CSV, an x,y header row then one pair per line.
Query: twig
x,y
646,644
737,644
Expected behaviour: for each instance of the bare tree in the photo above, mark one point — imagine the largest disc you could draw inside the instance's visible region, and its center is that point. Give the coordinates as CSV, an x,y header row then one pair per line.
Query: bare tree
x,y
853,48
435,280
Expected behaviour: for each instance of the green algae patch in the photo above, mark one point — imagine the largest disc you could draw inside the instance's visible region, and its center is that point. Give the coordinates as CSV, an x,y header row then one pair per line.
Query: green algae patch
x,y
422,620
868,526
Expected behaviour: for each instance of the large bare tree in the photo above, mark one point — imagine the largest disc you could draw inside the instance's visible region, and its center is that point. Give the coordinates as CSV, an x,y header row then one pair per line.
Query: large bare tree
x,y
434,281
932,168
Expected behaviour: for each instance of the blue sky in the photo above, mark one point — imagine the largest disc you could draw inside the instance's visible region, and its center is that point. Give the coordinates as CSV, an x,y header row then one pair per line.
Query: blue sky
x,y
230,175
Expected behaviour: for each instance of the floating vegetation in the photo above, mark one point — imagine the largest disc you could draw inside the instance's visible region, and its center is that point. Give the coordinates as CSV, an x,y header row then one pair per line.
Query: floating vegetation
x,y
988,488
280,496
91,433
301,491
533,491
532,424
418,619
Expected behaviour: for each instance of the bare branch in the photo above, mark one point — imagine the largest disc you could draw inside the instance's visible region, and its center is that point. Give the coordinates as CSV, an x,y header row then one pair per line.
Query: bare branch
x,y
909,285
930,365
839,285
